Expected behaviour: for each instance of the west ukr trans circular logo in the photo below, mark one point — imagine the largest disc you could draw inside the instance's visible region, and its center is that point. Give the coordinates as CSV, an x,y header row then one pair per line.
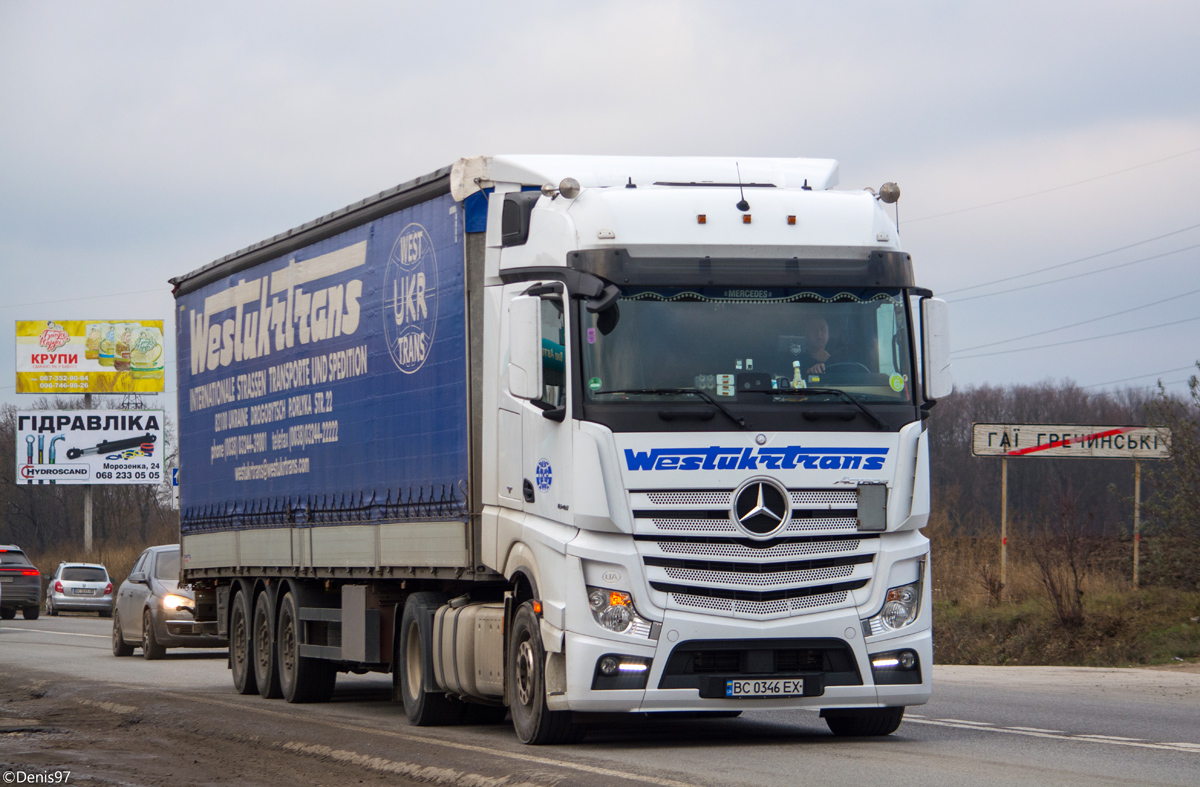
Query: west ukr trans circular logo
x,y
410,286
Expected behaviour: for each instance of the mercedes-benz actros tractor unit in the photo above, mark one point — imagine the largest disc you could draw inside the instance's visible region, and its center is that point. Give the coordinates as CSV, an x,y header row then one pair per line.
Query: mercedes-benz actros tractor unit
x,y
553,436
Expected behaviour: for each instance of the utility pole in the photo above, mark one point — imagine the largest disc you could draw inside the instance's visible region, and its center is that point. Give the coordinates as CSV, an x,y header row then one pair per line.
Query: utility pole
x,y
1137,516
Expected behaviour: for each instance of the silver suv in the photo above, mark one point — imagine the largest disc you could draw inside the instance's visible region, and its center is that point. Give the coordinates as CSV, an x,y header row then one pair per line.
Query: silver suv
x,y
80,587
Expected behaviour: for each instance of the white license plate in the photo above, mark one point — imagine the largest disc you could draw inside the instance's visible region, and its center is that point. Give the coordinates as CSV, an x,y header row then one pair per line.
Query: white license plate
x,y
85,591
791,687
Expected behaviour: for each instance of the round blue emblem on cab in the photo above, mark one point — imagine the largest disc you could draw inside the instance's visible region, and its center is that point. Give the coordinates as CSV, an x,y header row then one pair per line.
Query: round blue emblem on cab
x,y
545,476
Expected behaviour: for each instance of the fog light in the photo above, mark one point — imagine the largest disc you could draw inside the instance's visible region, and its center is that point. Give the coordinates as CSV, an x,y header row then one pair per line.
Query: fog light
x,y
908,659
609,666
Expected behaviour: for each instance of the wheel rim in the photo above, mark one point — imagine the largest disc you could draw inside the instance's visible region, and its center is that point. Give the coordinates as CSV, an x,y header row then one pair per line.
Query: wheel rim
x,y
263,654
412,659
146,632
287,637
525,672
239,642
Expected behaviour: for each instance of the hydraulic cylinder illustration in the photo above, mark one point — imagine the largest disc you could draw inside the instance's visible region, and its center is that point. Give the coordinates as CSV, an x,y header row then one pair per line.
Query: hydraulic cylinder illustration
x,y
114,445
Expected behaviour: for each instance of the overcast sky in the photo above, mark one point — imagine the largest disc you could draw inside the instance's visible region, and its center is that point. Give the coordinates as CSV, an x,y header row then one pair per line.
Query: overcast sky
x,y
139,141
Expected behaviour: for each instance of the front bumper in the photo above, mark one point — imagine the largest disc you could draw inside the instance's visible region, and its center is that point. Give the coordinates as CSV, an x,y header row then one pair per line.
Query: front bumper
x,y
841,627
177,629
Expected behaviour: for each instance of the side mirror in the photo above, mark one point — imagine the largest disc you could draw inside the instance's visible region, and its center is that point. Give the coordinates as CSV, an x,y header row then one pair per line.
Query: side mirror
x,y
137,578
935,335
525,347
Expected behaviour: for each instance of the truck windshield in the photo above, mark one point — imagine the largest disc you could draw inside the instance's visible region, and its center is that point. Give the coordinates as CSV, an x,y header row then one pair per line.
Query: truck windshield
x,y
738,344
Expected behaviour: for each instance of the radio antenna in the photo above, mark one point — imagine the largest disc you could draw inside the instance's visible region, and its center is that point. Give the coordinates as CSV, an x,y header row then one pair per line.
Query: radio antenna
x,y
743,206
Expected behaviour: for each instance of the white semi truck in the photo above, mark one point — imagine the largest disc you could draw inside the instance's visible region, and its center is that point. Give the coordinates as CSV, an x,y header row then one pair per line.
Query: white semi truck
x,y
565,435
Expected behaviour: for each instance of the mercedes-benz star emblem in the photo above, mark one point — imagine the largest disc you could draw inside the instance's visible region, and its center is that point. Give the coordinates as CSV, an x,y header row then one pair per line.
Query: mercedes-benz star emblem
x,y
761,508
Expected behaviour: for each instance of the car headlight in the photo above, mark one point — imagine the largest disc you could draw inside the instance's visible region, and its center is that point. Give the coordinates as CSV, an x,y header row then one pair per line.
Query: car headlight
x,y
173,602
900,609
614,610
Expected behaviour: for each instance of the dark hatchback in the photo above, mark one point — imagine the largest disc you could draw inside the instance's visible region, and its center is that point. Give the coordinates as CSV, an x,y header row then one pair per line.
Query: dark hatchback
x,y
20,584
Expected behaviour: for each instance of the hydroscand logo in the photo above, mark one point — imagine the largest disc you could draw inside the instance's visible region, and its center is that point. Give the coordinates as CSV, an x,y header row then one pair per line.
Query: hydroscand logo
x,y
544,475
410,304
785,458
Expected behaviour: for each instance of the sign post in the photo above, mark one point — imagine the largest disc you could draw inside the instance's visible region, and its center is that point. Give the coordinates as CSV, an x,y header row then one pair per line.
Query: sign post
x,y
1047,441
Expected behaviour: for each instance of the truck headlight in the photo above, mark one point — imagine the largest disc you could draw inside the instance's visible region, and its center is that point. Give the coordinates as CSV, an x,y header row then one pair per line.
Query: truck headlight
x,y
614,610
900,609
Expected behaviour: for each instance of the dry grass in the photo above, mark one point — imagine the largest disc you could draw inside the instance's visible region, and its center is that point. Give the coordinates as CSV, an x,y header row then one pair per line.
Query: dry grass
x,y
118,556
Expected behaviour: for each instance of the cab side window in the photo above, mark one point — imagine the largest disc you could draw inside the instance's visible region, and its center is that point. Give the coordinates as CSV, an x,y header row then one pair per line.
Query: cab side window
x,y
554,355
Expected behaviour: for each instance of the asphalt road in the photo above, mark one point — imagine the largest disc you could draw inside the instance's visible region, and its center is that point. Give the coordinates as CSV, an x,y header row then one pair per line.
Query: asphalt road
x,y
984,726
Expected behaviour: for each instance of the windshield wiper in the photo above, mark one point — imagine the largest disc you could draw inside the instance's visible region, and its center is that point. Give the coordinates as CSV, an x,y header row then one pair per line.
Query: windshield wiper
x,y
827,391
741,422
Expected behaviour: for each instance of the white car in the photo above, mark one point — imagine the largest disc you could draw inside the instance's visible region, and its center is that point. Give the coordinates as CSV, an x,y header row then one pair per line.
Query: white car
x,y
80,587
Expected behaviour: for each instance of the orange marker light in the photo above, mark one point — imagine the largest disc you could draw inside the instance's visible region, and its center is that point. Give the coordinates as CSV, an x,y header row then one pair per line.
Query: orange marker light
x,y
537,607
701,219
745,218
618,599
791,220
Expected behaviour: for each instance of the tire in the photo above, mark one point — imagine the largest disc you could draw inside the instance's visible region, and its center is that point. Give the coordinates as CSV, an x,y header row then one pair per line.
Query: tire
x,y
241,646
119,646
864,723
151,649
301,679
266,668
412,674
50,609
8,614
104,613
31,613
535,723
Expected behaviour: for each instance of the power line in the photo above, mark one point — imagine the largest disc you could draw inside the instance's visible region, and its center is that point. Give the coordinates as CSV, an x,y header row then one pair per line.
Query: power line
x,y
1140,376
1077,341
84,298
1072,262
1075,324
1074,276
1054,188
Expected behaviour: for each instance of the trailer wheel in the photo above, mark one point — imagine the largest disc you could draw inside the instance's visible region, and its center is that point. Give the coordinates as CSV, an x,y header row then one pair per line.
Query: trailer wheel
x,y
266,668
413,671
534,722
863,723
241,646
302,679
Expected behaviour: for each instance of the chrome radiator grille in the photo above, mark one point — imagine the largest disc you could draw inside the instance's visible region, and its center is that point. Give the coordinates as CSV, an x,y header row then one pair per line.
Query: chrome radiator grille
x,y
697,558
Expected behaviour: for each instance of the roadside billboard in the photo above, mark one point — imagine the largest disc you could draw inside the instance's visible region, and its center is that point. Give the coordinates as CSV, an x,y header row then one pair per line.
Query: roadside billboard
x,y
90,447
89,356
1045,441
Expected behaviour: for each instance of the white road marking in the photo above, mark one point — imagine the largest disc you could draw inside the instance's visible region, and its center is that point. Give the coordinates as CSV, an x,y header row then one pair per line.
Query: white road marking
x,y
1038,729
1192,748
962,721
1108,737
424,773
59,633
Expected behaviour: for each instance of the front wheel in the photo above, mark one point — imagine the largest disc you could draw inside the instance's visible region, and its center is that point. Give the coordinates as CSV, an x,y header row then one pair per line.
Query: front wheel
x,y
119,646
31,613
867,722
151,648
534,722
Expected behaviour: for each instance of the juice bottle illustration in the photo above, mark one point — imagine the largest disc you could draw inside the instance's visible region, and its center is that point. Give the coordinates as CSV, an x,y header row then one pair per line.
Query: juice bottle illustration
x,y
125,336
92,341
146,356
108,343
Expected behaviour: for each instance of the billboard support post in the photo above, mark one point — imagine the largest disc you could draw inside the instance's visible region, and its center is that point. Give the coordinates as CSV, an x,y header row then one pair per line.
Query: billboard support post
x,y
1003,527
87,498
1137,516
